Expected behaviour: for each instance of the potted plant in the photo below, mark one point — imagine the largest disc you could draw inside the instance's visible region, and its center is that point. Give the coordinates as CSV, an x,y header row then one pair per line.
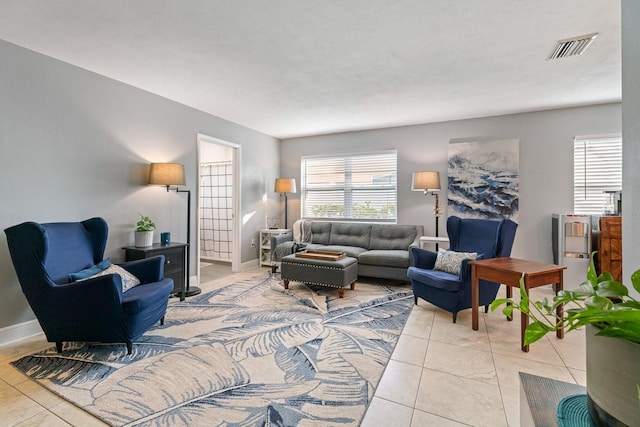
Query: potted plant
x,y
144,232
612,320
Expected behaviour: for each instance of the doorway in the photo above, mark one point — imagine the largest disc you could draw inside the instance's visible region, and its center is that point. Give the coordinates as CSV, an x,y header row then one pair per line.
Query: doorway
x,y
218,204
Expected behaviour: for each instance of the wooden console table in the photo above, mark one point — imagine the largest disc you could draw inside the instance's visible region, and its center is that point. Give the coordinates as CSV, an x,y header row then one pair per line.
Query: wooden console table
x,y
508,271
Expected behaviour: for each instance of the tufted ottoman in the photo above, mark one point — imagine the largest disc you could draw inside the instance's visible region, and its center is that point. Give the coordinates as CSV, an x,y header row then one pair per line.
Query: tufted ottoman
x,y
336,274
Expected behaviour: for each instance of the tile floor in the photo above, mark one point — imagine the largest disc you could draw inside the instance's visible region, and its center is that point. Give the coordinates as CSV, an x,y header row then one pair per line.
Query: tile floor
x,y
440,374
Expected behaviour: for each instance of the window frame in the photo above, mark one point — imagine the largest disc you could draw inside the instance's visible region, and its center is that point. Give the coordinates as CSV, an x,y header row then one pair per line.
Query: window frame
x,y
591,181
346,166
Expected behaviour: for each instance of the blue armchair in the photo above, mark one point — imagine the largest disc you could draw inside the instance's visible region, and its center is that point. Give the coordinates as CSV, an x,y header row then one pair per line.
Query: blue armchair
x,y
92,310
452,292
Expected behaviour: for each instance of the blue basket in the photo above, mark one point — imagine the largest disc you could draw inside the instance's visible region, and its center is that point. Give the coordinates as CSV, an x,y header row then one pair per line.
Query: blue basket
x,y
574,412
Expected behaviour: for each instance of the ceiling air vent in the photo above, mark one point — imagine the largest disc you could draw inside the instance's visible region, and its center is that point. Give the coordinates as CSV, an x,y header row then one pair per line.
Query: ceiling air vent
x,y
572,47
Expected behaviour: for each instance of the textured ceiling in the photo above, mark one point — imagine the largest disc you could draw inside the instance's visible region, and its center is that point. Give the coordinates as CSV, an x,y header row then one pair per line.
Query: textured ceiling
x,y
304,67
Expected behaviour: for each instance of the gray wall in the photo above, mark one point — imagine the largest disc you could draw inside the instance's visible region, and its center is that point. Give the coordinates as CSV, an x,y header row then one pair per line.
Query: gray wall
x,y
630,137
546,163
74,145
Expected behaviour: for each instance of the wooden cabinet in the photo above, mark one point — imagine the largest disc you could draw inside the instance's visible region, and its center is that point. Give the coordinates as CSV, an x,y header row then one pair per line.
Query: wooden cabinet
x,y
610,246
174,261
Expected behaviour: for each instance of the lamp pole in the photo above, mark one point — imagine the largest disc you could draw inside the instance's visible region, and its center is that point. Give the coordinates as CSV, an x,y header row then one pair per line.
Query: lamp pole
x,y
436,215
191,290
169,174
285,210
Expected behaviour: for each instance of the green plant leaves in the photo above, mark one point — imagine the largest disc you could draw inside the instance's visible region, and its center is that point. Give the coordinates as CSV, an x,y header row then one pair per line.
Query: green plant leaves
x,y
535,331
635,280
145,224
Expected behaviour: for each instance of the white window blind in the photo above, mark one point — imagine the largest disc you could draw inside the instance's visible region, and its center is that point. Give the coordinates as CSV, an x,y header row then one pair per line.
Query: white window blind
x,y
597,168
361,187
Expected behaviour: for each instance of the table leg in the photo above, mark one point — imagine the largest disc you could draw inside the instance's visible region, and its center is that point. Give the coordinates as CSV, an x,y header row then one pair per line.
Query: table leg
x,y
474,297
524,319
353,285
559,309
340,292
286,283
509,295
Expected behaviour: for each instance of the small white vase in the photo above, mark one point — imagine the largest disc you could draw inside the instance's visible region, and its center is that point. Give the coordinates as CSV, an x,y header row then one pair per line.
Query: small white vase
x,y
613,373
143,239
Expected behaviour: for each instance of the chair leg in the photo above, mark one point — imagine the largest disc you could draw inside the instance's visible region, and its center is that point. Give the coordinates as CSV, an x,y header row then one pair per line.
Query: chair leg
x,y
486,308
129,347
454,316
162,321
415,298
59,346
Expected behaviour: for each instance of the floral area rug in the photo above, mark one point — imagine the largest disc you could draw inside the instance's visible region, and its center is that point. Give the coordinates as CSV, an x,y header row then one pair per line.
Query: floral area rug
x,y
250,353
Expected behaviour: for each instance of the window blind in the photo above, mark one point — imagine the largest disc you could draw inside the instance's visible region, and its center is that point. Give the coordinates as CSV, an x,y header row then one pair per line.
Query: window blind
x,y
597,168
361,187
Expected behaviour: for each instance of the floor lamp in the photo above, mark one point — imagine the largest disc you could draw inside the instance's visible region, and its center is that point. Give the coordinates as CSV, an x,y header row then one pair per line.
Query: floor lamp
x,y
429,183
169,174
284,186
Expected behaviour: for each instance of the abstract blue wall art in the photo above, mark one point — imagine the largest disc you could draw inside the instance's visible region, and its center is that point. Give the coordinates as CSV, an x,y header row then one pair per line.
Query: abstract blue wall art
x,y
483,179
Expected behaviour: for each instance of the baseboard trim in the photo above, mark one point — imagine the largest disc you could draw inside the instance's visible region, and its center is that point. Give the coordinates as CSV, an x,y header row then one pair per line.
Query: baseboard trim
x,y
19,332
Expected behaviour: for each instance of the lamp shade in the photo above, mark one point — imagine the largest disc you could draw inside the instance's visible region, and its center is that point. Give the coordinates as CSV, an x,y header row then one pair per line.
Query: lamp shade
x,y
426,181
166,174
285,185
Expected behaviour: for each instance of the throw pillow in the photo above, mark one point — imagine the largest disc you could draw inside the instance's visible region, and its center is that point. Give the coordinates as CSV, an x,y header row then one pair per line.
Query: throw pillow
x,y
450,261
128,279
88,272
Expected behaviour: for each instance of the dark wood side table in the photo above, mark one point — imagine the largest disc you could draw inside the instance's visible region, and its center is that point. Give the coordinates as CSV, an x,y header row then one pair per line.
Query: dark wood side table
x,y
508,271
175,254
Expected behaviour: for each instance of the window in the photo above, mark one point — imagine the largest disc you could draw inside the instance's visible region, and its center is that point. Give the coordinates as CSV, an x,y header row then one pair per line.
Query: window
x,y
597,168
361,187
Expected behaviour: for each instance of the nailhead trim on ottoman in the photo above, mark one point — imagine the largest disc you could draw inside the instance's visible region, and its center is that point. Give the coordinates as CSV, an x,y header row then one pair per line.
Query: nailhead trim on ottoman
x,y
336,274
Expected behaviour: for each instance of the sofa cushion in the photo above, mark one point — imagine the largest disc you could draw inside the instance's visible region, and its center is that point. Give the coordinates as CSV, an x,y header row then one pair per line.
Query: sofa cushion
x,y
435,279
350,234
450,261
352,251
385,258
314,247
320,232
387,236
88,272
146,297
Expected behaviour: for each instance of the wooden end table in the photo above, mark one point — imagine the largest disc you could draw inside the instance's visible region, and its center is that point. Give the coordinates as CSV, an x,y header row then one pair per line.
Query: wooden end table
x,y
508,271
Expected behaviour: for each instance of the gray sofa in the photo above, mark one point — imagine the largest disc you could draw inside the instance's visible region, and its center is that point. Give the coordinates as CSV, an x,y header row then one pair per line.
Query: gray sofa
x,y
382,250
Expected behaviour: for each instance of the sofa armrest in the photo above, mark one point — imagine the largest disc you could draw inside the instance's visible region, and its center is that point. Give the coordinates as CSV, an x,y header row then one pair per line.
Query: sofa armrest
x,y
423,258
276,240
465,269
97,293
148,270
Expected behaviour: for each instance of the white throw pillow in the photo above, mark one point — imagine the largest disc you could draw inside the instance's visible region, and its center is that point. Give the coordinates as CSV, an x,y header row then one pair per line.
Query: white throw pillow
x,y
450,261
128,279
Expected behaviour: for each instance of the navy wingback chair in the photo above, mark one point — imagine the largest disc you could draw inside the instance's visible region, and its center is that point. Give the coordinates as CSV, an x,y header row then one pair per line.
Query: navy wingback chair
x,y
91,310
451,292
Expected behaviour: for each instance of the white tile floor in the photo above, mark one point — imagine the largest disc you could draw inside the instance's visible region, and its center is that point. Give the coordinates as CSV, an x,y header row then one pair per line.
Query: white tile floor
x,y
440,374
